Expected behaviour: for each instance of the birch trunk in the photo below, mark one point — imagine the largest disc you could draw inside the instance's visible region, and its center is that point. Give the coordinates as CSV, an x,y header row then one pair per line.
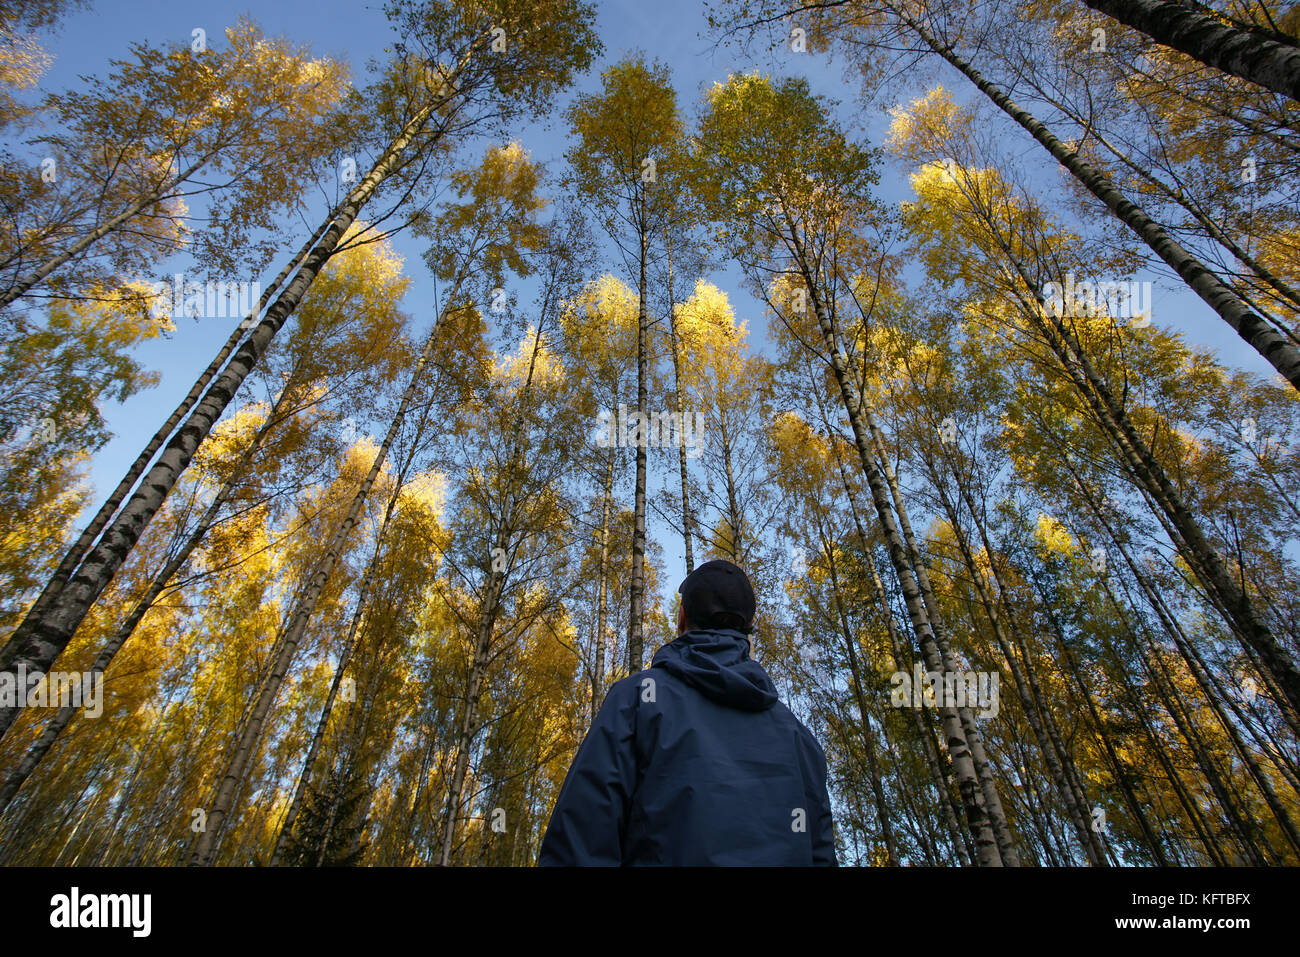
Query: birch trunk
x,y
467,729
1118,771
681,417
602,588
933,760
487,617
349,643
1066,761
864,721
36,753
635,625
977,819
68,565
1245,830
1254,55
47,637
1280,353
345,657
983,767
1095,854
296,626
733,507
1207,564
1208,686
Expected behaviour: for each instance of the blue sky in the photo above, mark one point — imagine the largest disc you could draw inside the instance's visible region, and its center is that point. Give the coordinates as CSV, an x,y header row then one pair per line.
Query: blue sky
x,y
670,30
356,34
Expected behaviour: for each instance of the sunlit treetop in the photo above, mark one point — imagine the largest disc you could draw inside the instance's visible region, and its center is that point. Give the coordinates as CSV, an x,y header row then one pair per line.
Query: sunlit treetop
x,y
533,363
770,156
1053,537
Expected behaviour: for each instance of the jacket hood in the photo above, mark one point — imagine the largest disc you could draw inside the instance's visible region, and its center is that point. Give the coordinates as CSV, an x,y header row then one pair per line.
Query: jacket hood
x,y
716,662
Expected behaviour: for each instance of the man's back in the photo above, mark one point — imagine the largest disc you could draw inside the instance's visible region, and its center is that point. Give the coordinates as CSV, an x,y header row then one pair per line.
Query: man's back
x,y
694,761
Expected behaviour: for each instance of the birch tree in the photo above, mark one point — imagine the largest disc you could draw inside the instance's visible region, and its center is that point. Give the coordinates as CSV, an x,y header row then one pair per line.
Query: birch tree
x,y
784,181
629,137
464,76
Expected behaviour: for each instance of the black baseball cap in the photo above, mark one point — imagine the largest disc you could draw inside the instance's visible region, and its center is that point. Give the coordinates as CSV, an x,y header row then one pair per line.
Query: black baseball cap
x,y
718,594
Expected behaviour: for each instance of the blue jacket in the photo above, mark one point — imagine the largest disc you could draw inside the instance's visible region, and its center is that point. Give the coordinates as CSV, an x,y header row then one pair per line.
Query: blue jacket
x,y
694,761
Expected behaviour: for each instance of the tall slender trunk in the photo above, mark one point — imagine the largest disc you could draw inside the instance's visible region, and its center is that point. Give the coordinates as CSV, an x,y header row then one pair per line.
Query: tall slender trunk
x,y
349,645
912,817
156,818
1279,352
687,530
36,753
322,722
636,613
1153,665
417,799
961,841
1092,848
977,819
602,587
864,719
1203,676
487,617
1048,721
40,642
127,797
1119,772
1276,284
974,738
1245,830
469,714
1040,823
1252,54
733,506
1157,740
1206,562
296,625
74,555
345,658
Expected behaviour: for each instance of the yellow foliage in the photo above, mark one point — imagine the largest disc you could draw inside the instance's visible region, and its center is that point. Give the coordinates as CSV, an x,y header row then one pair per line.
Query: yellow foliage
x,y
1054,536
606,310
534,357
708,315
426,492
359,457
927,120
229,437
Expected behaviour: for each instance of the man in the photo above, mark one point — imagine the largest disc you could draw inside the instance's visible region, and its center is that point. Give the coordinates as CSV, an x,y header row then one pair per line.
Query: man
x,y
694,761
